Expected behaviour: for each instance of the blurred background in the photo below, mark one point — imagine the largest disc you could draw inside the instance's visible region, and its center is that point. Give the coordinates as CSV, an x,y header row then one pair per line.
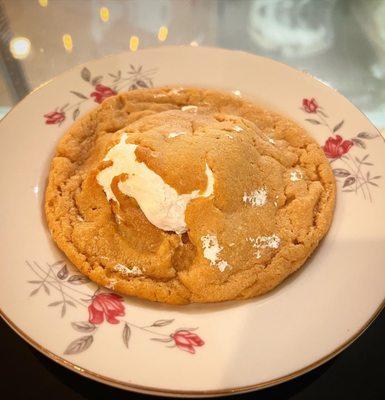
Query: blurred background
x,y
341,42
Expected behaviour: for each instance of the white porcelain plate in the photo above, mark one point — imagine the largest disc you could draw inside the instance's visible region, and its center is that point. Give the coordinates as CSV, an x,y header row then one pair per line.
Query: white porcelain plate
x,y
192,350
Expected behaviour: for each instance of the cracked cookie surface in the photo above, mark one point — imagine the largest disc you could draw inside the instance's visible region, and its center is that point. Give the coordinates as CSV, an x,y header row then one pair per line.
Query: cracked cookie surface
x,y
272,202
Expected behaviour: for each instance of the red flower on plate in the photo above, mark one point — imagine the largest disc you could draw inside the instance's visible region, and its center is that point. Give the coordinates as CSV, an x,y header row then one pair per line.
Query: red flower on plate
x,y
187,340
108,305
54,117
310,105
102,92
336,147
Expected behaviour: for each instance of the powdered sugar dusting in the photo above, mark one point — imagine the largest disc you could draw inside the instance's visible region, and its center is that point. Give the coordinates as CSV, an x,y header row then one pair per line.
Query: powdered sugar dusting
x,y
124,270
264,242
229,136
111,284
295,176
222,265
237,128
175,134
175,90
157,95
190,108
257,198
276,201
272,141
211,250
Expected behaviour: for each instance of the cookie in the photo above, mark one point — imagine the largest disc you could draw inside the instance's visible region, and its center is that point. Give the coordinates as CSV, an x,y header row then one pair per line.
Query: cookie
x,y
183,195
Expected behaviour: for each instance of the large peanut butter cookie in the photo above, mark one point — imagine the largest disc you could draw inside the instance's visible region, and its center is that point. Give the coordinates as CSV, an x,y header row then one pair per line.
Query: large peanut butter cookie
x,y
188,195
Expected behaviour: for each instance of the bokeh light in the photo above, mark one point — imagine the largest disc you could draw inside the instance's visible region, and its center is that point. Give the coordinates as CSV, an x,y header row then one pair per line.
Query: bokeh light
x,y
104,14
163,33
20,47
134,43
67,42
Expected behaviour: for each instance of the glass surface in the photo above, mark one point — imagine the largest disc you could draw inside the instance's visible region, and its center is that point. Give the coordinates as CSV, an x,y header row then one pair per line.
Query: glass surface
x,y
341,42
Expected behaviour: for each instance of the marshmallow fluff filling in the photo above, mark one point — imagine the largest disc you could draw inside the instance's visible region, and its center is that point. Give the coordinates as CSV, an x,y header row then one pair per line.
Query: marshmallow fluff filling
x,y
162,205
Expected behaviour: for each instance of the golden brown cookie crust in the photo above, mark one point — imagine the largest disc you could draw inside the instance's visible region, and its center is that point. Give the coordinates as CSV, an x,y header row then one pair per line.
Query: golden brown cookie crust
x,y
246,147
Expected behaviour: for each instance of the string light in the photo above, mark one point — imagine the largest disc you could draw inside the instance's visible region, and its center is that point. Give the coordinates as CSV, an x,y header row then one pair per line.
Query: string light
x,y
20,47
134,43
104,14
162,33
67,42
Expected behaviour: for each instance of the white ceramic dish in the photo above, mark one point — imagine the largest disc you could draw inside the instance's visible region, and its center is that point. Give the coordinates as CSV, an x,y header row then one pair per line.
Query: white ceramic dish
x,y
223,348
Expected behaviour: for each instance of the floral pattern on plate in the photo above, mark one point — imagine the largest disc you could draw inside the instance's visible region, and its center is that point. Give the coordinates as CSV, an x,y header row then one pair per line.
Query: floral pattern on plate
x,y
101,308
134,78
353,171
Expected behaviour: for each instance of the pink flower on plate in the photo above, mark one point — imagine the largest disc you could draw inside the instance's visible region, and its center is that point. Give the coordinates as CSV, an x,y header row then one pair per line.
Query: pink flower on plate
x,y
310,105
187,340
106,305
102,92
336,147
54,117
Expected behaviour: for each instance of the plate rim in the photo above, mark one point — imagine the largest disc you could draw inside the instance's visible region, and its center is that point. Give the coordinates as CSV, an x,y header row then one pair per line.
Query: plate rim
x,y
188,393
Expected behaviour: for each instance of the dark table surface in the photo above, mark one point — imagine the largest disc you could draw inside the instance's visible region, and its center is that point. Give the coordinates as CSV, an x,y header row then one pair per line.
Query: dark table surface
x,y
356,373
